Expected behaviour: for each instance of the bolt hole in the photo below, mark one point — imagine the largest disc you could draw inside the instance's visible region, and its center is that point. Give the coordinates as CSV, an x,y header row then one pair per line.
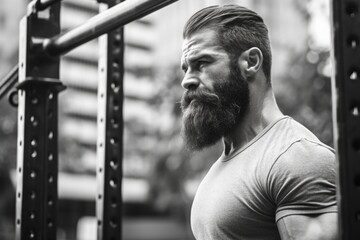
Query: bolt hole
x,y
351,9
353,41
33,174
116,66
50,201
117,40
113,164
50,157
114,141
50,223
33,142
355,109
32,195
34,121
116,105
51,179
114,202
114,122
116,77
113,223
50,114
354,74
34,154
34,100
116,51
113,183
115,87
51,135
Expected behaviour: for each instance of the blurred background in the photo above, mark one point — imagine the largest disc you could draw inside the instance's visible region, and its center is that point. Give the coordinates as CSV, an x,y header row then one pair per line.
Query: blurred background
x,y
160,176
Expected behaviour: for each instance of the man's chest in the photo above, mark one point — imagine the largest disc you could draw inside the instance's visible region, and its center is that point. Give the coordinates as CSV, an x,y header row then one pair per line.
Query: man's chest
x,y
231,204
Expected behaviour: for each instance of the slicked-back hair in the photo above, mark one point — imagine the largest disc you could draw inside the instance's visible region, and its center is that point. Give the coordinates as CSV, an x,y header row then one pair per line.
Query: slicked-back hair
x,y
237,28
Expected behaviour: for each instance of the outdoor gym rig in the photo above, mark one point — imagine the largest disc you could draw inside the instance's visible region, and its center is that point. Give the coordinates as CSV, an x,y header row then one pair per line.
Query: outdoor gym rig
x,y
37,91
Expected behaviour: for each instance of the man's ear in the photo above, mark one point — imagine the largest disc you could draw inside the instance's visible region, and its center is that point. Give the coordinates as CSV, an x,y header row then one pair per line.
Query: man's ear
x,y
250,61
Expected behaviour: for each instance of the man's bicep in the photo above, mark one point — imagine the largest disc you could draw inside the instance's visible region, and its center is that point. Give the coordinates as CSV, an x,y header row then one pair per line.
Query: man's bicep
x,y
309,227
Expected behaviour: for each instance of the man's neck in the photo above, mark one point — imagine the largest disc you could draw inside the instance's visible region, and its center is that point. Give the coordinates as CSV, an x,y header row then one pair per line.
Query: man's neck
x,y
261,113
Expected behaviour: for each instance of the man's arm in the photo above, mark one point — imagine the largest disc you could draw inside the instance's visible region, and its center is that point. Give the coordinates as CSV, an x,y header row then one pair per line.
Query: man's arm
x,y
309,227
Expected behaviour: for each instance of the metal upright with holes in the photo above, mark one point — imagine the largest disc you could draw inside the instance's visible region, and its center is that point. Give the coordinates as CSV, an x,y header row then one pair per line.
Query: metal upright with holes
x,y
38,87
37,160
110,131
346,108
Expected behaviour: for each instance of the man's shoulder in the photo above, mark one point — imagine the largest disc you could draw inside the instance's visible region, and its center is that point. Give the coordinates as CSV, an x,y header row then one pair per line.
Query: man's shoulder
x,y
307,151
295,150
291,134
300,142
305,158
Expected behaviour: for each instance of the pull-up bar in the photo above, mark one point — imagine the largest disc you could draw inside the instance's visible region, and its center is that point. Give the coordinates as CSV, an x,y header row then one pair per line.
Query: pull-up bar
x,y
104,22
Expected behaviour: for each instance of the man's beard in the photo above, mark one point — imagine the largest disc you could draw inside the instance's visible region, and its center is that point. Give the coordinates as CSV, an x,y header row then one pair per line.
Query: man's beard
x,y
208,116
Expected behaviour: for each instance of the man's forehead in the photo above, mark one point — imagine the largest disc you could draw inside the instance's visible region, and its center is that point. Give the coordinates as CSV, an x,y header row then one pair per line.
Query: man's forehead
x,y
201,43
190,49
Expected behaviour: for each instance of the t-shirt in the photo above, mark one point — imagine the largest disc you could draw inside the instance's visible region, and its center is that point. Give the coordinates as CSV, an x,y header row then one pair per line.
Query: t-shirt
x,y
284,170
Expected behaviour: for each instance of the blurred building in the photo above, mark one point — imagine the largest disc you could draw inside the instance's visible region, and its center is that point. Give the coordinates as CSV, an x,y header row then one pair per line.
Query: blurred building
x,y
9,32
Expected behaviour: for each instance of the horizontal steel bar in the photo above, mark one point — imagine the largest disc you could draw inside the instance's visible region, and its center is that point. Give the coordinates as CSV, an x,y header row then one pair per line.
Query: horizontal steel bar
x,y
104,22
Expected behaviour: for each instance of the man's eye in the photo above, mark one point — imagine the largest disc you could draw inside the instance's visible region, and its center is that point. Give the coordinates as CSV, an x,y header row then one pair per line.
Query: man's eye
x,y
201,64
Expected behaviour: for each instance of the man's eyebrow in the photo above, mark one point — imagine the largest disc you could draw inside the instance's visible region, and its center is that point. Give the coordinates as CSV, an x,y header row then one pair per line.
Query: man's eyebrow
x,y
194,58
200,56
197,57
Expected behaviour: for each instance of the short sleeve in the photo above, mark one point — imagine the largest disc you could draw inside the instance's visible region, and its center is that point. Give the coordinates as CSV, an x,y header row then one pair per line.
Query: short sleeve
x,y
302,180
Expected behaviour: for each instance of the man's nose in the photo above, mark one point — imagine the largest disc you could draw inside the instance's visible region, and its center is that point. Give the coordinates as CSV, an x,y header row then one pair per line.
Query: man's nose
x,y
190,82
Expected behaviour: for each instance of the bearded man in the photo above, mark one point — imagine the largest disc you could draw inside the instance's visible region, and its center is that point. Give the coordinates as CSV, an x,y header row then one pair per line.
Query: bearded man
x,y
274,179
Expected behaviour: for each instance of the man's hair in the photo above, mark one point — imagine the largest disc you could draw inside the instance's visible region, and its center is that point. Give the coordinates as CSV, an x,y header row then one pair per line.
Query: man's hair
x,y
238,29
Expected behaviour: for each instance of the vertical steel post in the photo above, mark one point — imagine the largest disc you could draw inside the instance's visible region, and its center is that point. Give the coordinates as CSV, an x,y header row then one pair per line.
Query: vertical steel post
x,y
346,109
110,134
37,129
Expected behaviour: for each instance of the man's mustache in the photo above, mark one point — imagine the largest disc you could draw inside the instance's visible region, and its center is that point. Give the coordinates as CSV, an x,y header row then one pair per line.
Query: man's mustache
x,y
199,95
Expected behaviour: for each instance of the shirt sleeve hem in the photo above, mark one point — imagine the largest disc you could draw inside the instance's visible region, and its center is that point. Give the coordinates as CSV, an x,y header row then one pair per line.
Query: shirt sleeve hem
x,y
285,213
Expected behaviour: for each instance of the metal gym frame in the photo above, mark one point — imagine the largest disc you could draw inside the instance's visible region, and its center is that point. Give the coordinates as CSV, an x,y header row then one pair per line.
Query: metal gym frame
x,y
346,112
38,86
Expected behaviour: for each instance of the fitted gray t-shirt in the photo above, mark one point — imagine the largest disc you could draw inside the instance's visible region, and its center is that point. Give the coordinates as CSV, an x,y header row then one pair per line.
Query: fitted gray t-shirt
x,y
284,170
